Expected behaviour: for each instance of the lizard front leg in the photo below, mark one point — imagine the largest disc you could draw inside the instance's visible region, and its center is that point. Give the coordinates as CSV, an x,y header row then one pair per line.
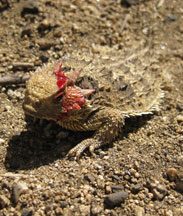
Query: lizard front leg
x,y
112,122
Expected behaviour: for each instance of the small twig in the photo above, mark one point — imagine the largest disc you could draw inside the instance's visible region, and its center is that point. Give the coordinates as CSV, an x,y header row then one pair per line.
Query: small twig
x,y
24,65
124,22
13,79
160,3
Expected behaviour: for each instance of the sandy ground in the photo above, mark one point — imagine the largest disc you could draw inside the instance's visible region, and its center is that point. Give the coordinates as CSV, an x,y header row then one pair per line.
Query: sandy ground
x,y
144,164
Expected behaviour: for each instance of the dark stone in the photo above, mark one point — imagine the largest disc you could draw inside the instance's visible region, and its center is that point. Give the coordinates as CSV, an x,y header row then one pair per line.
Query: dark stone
x,y
89,177
136,188
116,188
63,204
44,58
115,199
129,3
29,7
26,31
179,185
4,4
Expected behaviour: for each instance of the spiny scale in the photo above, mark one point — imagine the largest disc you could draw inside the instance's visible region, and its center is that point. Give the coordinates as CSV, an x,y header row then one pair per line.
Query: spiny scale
x,y
130,86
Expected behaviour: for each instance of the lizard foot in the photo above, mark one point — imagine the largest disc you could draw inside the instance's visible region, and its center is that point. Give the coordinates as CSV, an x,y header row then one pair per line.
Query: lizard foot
x,y
90,143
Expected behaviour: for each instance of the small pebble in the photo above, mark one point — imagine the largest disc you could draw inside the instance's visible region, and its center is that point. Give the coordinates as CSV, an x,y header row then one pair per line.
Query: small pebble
x,y
180,161
172,173
29,7
179,185
129,3
14,94
158,189
84,209
2,141
4,201
108,189
136,165
56,165
179,118
139,211
45,44
2,70
179,106
136,188
90,177
117,188
45,24
115,199
26,31
168,213
17,189
64,204
178,211
27,212
4,5
96,209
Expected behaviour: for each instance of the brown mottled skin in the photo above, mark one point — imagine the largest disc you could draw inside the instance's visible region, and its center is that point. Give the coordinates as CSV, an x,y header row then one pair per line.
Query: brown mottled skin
x,y
123,88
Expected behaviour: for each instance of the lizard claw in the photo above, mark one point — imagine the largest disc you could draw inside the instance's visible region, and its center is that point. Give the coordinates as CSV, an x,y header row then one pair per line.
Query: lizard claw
x,y
90,143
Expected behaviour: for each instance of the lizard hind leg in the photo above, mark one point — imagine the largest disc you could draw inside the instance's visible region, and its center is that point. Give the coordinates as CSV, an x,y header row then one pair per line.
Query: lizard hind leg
x,y
107,132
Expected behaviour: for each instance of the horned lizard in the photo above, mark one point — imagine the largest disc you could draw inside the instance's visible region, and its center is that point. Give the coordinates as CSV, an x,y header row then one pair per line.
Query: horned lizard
x,y
95,92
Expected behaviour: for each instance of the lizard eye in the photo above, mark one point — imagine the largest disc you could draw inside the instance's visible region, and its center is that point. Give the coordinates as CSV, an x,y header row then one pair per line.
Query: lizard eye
x,y
57,99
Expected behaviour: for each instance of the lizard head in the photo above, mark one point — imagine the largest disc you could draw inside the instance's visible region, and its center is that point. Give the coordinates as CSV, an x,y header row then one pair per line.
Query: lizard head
x,y
52,95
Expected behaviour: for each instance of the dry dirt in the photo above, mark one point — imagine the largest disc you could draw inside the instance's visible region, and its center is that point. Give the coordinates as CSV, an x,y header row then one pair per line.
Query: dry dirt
x,y
146,161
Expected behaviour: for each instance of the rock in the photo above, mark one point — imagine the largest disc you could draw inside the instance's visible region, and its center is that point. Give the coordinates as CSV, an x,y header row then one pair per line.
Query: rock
x,y
63,204
84,209
29,7
179,106
67,211
179,118
178,211
4,201
2,141
44,58
89,177
27,212
4,4
108,189
136,165
45,43
129,3
158,189
168,213
136,188
172,173
17,189
117,188
115,199
14,94
180,161
96,209
179,184
45,24
171,18
26,31
2,69
139,211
